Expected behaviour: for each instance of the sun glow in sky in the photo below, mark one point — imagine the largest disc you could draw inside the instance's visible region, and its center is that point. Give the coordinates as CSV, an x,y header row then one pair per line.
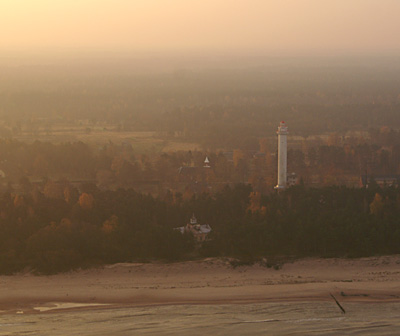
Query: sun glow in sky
x,y
253,25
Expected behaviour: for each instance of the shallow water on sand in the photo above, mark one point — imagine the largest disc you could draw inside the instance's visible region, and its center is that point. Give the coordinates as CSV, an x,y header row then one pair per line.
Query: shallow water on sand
x,y
288,318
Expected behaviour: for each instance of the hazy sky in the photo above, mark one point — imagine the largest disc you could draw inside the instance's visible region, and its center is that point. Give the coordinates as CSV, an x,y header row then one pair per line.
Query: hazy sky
x,y
246,25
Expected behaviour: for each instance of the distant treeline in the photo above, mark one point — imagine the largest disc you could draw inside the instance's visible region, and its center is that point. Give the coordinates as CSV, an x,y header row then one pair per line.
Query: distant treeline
x,y
333,161
218,109
93,228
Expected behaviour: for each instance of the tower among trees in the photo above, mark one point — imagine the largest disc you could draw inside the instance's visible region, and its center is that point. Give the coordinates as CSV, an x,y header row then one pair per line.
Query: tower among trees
x,y
282,156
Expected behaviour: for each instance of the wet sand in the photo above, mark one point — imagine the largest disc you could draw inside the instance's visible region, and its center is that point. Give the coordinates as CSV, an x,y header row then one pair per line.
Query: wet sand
x,y
210,281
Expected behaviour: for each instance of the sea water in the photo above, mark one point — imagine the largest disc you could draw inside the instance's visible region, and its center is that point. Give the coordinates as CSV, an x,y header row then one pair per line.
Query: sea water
x,y
287,318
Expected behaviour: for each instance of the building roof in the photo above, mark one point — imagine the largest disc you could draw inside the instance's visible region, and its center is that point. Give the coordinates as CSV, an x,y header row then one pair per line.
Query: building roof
x,y
205,228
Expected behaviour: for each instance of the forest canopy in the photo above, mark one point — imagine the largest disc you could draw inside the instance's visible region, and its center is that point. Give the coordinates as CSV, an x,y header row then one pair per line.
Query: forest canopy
x,y
50,235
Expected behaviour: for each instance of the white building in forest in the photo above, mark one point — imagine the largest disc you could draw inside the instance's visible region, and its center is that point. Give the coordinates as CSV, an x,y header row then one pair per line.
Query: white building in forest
x,y
199,231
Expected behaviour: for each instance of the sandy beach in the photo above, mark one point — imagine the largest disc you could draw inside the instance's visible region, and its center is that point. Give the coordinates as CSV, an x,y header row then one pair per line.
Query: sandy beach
x,y
210,281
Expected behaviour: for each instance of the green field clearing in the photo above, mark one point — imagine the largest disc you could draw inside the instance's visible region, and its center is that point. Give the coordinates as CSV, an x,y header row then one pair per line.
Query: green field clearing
x,y
141,142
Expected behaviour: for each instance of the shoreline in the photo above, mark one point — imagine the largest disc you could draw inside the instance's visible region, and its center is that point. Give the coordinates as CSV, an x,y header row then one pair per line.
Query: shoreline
x,y
209,281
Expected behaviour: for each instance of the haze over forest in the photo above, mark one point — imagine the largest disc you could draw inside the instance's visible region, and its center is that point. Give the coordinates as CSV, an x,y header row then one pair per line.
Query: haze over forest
x,y
114,60
108,110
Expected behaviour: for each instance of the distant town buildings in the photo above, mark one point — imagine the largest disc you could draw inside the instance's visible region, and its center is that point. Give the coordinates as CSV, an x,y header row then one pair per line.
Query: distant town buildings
x,y
292,179
380,180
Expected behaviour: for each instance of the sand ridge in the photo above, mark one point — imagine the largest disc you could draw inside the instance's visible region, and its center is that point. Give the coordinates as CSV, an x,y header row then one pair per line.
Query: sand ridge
x,y
206,282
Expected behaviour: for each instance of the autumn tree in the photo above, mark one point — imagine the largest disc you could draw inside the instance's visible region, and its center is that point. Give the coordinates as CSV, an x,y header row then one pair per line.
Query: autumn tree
x,y
86,201
377,205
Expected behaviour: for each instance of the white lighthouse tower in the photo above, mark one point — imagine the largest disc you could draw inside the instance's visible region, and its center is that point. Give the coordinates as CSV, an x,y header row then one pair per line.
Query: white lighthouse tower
x,y
282,156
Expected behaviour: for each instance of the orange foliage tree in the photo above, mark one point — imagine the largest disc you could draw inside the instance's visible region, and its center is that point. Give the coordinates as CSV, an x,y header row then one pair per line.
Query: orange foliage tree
x,y
86,201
